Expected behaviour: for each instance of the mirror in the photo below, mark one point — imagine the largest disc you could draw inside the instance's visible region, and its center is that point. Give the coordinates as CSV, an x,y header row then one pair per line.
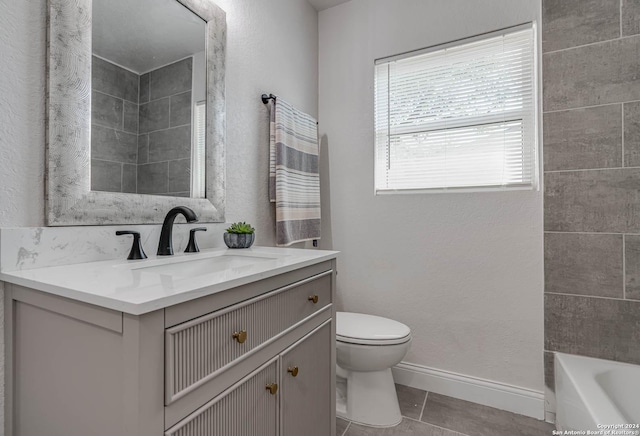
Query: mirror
x,y
148,97
137,117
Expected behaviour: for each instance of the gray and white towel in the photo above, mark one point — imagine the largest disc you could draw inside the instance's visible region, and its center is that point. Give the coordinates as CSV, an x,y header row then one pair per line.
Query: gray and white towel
x,y
294,178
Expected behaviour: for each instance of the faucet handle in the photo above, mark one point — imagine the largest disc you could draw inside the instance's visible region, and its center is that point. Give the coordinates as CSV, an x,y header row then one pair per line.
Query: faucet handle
x,y
136,249
192,247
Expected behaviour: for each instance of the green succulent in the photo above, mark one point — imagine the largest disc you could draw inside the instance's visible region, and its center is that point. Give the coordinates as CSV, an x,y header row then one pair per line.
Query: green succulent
x,y
241,228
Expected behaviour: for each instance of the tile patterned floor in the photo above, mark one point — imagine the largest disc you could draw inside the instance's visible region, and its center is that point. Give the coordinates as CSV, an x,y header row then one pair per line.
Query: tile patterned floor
x,y
429,414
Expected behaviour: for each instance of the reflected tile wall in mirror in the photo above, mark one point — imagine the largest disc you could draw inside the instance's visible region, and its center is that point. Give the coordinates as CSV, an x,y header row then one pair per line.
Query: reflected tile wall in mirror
x,y
164,160
148,73
114,127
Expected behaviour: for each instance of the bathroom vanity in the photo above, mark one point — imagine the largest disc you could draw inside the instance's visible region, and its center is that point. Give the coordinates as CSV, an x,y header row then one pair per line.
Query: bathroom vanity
x,y
217,343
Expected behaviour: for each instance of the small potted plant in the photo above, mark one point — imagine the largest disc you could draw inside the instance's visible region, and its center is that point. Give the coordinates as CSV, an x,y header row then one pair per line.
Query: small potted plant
x,y
239,235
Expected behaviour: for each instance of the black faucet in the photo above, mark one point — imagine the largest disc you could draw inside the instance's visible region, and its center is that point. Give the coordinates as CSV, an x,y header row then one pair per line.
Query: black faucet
x,y
165,247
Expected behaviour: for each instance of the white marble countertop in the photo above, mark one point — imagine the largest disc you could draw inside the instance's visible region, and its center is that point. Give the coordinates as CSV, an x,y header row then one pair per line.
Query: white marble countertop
x,y
141,286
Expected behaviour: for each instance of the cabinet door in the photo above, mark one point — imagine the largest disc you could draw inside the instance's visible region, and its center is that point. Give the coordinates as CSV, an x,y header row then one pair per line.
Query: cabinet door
x,y
249,408
306,399
261,320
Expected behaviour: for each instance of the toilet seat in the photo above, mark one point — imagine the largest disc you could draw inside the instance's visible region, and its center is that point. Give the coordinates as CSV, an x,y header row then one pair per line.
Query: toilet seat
x,y
362,329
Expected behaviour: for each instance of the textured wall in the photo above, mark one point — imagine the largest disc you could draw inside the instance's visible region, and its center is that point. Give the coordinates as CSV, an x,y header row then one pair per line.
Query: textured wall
x,y
592,174
464,271
272,47
22,82
261,58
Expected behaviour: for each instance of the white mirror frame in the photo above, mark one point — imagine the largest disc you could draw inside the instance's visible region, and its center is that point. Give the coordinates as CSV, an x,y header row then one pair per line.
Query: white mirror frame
x,y
69,198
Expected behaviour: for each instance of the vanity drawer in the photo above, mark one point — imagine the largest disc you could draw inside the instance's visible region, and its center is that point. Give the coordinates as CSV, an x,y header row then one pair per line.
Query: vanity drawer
x,y
245,408
198,350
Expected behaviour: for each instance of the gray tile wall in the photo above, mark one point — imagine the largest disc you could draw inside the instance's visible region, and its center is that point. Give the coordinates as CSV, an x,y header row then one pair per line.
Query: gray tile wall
x,y
164,135
591,104
114,127
141,129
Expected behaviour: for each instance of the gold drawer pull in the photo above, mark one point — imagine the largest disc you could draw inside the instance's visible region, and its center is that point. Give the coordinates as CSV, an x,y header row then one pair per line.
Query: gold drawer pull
x,y
240,336
313,298
272,388
293,371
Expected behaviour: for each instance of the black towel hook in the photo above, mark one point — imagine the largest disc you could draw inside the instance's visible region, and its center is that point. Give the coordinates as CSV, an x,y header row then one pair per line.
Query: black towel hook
x,y
266,98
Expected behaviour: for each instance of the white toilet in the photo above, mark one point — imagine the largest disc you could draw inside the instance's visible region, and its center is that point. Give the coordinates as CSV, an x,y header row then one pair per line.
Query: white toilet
x,y
367,347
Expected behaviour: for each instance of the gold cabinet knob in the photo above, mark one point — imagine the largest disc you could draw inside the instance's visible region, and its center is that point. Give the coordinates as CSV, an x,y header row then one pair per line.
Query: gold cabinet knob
x,y
272,388
240,336
313,298
293,371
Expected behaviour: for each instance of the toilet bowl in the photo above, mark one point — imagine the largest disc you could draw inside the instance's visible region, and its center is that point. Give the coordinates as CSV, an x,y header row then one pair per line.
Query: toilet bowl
x,y
367,347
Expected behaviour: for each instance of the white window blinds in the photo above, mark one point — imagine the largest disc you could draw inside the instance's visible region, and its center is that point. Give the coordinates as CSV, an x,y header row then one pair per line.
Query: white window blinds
x,y
458,116
199,151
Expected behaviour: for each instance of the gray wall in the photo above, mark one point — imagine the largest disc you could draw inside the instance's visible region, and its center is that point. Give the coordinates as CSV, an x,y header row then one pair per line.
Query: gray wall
x,y
592,176
463,270
114,127
164,140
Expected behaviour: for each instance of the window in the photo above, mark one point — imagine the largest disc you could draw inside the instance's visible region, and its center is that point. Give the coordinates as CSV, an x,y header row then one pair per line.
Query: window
x,y
198,153
458,116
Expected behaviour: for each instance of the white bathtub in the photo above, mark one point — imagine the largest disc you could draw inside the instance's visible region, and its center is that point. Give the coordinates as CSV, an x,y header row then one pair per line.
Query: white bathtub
x,y
592,393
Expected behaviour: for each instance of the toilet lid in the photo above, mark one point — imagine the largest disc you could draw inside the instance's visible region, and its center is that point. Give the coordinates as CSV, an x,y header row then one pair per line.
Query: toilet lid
x,y
358,328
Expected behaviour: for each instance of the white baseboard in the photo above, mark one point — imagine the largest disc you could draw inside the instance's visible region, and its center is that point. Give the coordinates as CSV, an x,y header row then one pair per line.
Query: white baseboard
x,y
489,393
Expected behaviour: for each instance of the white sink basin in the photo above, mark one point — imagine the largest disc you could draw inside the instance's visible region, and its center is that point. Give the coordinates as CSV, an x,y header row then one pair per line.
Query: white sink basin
x,y
190,267
142,286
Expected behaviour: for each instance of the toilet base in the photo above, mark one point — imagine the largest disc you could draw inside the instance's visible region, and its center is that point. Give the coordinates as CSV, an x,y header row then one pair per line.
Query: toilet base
x,y
370,398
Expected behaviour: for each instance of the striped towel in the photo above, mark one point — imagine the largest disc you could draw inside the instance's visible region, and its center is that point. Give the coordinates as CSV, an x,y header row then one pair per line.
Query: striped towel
x,y
294,179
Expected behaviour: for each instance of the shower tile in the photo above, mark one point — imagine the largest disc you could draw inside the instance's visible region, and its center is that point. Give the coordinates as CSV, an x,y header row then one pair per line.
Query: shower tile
x,y
549,371
154,115
153,178
106,111
180,175
478,420
131,111
106,176
407,427
593,201
113,145
129,178
632,266
411,401
630,17
586,264
181,109
170,144
568,23
594,327
113,80
172,79
632,134
583,138
144,88
341,426
143,149
592,75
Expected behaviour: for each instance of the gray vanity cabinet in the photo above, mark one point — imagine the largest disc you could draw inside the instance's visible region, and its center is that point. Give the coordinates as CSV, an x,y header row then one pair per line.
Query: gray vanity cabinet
x,y
212,366
305,370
